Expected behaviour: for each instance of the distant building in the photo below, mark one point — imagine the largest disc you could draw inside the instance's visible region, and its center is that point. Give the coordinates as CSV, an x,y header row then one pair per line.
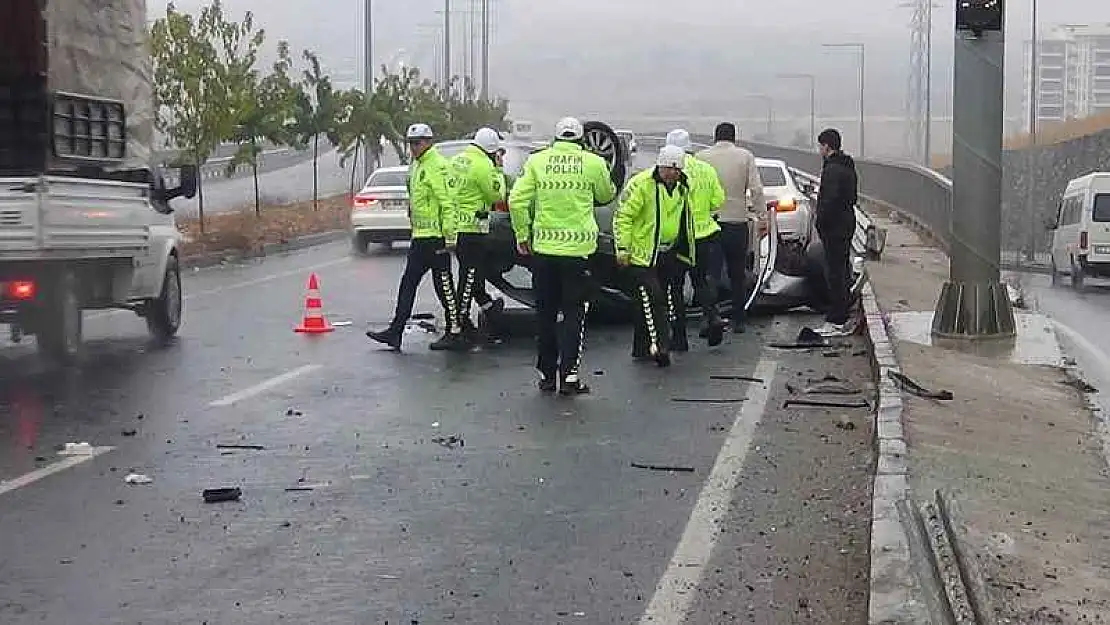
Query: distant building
x,y
1073,77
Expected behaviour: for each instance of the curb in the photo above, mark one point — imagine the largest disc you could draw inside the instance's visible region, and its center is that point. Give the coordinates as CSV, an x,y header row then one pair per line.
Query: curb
x,y
202,261
892,597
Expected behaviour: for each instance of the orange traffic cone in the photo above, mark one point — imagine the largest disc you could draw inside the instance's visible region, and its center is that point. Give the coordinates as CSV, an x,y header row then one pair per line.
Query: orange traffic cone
x,y
314,321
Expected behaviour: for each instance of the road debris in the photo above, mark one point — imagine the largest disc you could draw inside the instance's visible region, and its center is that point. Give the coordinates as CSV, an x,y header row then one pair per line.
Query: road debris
x,y
708,400
913,388
845,422
217,495
129,432
293,413
138,478
831,388
251,447
76,449
450,442
736,378
341,324
1080,385
824,403
660,467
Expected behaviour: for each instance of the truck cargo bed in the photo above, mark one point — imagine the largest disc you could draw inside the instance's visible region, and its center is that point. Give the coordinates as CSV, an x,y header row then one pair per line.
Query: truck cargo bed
x,y
56,217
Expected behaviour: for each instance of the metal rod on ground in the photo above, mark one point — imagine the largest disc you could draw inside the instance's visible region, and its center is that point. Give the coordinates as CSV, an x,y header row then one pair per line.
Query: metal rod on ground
x,y
973,304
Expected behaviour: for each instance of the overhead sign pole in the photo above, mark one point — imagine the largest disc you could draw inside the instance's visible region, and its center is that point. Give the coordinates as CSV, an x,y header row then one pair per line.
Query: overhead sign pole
x,y
974,304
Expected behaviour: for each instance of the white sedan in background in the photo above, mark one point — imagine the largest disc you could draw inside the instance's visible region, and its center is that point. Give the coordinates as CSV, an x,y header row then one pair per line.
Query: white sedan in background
x,y
380,210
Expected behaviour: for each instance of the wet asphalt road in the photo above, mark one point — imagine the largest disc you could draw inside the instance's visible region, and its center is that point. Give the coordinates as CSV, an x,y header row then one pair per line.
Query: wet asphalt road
x,y
1083,323
537,518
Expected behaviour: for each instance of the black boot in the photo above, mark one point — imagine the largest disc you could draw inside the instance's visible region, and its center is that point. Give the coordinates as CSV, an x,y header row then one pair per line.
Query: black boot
x,y
450,342
548,383
389,336
571,386
491,322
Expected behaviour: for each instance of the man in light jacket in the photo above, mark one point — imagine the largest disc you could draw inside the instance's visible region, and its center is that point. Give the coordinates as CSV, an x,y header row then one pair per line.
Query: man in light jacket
x,y
740,178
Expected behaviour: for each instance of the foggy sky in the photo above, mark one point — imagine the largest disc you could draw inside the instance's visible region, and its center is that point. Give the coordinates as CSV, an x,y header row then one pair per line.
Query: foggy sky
x,y
658,57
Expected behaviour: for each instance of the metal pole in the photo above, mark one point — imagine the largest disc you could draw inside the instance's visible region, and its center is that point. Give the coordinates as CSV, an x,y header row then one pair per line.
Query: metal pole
x,y
770,120
447,46
812,107
368,78
929,83
485,49
1034,111
974,303
862,71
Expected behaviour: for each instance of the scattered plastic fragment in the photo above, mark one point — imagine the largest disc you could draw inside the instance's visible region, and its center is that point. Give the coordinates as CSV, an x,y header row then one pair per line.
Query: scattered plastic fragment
x,y
340,324
450,442
137,478
831,388
129,432
76,449
913,388
217,495
660,467
254,447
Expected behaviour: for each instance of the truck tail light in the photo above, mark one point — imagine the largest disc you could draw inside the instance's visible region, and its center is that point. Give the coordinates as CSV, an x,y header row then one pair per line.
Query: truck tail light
x,y
21,290
500,206
1083,241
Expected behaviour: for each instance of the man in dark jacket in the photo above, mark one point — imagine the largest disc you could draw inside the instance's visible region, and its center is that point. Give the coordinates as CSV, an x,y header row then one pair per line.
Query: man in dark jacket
x,y
836,223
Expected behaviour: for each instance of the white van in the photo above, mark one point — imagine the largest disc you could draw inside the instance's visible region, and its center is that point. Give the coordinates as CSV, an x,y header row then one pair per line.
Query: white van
x,y
1081,231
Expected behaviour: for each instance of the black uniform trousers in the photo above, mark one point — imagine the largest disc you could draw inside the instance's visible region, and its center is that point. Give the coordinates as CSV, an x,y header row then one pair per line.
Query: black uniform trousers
x,y
838,249
427,255
734,249
706,275
471,252
562,285
659,300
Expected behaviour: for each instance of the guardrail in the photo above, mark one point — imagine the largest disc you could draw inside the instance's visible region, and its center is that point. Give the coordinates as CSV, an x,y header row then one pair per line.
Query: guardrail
x,y
917,194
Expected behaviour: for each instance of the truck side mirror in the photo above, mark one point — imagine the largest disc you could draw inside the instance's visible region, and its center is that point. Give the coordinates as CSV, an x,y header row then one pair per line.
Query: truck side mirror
x,y
187,188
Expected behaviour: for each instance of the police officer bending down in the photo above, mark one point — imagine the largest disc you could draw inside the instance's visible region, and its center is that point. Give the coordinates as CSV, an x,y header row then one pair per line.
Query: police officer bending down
x,y
433,233
564,182
706,198
654,234
477,183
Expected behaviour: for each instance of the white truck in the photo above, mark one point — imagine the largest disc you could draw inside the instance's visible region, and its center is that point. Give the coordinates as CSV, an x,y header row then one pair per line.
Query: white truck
x,y
85,220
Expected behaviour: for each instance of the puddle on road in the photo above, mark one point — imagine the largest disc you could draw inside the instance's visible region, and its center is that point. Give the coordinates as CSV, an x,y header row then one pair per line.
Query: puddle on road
x,y
1036,342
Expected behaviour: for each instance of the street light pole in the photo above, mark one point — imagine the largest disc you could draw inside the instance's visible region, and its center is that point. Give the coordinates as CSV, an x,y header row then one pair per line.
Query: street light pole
x,y
929,83
812,101
1034,111
862,49
447,46
368,77
485,49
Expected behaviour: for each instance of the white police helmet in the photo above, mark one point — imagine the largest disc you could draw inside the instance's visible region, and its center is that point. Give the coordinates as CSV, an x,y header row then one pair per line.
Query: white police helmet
x,y
671,156
679,138
569,129
417,132
488,140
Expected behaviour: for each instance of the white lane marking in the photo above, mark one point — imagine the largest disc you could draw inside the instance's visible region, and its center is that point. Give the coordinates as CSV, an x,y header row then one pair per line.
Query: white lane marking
x,y
238,285
677,588
69,462
263,386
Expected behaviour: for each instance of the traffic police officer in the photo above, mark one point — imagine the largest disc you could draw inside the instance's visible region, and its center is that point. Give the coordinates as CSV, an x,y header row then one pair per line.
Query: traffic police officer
x,y
707,196
433,235
477,183
552,212
653,229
